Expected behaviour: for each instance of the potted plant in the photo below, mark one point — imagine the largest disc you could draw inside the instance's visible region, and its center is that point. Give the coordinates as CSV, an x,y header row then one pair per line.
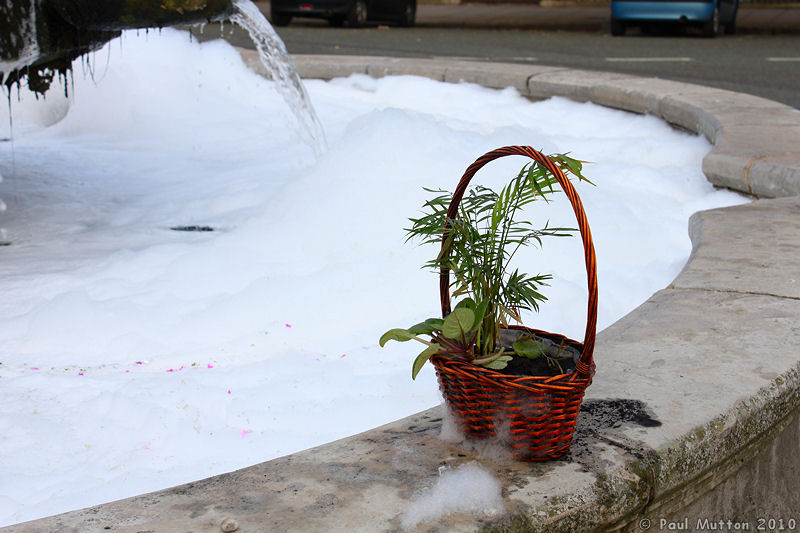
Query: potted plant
x,y
501,379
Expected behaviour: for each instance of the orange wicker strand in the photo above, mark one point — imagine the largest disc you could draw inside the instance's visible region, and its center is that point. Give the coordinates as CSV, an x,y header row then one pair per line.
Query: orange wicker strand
x,y
536,415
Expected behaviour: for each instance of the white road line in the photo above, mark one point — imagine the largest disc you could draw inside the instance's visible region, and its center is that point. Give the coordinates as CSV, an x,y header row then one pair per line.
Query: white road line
x,y
478,59
782,59
648,59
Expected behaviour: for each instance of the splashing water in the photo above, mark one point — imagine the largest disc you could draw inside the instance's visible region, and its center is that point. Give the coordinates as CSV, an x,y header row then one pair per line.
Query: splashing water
x,y
276,59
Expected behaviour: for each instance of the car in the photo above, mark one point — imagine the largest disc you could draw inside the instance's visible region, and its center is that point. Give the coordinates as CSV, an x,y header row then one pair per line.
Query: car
x,y
355,12
709,15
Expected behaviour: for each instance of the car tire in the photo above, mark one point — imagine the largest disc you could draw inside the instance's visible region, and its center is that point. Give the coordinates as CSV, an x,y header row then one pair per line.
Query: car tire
x,y
278,19
357,16
409,15
617,27
711,26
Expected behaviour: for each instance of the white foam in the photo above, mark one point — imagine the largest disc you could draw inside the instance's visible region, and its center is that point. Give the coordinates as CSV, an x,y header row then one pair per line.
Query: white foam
x,y
468,489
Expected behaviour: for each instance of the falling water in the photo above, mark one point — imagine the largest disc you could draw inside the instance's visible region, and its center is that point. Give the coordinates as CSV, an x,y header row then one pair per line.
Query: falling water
x,y
276,59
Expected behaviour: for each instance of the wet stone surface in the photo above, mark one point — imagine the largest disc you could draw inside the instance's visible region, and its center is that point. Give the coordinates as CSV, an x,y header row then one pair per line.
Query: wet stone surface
x,y
603,423
614,413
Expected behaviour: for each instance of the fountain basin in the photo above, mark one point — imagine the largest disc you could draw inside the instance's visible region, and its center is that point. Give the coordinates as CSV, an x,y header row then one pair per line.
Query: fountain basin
x,y
720,428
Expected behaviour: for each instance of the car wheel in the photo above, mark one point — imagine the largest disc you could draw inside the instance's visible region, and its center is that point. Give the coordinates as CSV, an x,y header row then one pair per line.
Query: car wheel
x,y
617,27
279,19
357,16
711,26
409,14
336,21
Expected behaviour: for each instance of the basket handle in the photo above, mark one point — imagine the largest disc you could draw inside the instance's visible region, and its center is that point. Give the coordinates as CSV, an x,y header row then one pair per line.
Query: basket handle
x,y
584,364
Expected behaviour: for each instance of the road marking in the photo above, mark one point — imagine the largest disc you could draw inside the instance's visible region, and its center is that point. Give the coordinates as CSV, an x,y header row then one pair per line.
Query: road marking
x,y
648,59
481,59
782,59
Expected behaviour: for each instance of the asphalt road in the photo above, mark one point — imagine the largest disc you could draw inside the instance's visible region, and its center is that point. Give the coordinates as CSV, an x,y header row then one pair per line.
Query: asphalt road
x,y
754,61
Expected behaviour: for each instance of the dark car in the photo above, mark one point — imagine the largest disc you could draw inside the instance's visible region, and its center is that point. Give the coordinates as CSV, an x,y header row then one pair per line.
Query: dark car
x,y
337,12
709,15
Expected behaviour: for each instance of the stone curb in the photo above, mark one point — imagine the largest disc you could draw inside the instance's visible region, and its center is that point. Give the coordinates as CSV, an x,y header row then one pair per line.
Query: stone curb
x,y
695,405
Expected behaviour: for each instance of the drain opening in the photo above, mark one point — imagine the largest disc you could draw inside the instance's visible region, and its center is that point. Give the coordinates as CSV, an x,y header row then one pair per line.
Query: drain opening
x,y
192,228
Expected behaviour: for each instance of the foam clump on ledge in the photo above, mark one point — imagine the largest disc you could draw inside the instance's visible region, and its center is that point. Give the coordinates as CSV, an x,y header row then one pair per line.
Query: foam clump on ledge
x,y
469,489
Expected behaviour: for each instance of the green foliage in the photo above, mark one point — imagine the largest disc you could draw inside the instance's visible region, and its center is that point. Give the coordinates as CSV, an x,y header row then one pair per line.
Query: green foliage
x,y
422,358
529,348
458,324
498,364
477,248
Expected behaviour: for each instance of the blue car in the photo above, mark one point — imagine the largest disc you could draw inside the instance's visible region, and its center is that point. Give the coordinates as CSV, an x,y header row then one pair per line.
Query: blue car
x,y
709,15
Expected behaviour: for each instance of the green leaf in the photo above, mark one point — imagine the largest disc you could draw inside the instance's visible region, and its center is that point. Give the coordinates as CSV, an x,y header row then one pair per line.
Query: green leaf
x,y
397,334
458,323
500,363
575,166
466,303
480,312
530,349
422,358
426,328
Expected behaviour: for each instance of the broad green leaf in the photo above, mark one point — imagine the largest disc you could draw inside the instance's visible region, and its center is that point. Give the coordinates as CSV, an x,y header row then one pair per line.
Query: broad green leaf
x,y
427,327
466,303
397,334
500,363
423,358
530,349
458,323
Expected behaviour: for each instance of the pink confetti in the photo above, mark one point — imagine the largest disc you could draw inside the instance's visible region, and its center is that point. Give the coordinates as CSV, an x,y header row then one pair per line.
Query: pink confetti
x,y
343,356
229,391
210,365
288,325
80,373
139,362
127,371
34,368
171,370
245,432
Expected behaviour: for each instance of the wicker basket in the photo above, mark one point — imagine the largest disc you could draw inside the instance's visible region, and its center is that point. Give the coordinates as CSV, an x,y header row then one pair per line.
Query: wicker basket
x,y
535,415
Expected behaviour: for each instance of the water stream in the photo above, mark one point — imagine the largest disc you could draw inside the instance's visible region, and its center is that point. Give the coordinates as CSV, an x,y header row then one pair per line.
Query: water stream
x,y
276,59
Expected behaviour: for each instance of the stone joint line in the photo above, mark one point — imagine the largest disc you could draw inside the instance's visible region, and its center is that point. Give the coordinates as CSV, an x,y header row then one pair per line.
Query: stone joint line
x,y
756,160
734,291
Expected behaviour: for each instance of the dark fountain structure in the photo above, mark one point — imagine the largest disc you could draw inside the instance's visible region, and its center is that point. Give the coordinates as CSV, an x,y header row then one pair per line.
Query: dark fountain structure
x,y
39,39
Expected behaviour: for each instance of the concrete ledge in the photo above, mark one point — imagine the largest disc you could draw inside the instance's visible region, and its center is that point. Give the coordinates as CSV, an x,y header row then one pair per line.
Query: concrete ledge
x,y
694,410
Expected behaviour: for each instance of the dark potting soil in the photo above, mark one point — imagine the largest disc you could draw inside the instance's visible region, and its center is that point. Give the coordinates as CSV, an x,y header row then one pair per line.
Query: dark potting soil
x,y
565,354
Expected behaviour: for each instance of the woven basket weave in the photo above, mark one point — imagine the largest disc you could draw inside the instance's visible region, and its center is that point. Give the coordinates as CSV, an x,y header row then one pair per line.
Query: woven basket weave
x,y
534,415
